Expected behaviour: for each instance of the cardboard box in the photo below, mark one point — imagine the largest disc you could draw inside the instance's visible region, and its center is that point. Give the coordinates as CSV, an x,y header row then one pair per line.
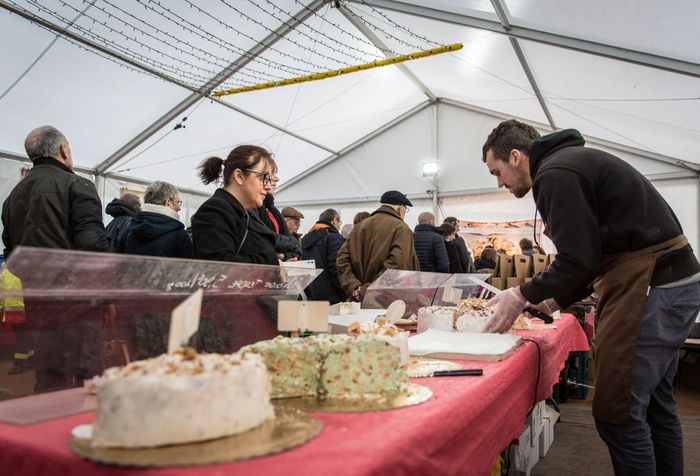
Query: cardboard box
x,y
498,282
527,280
550,258
523,266
506,266
513,282
539,263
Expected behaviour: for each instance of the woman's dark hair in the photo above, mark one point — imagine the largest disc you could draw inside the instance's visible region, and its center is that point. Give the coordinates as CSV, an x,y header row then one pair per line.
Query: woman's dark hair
x,y
488,253
242,157
447,229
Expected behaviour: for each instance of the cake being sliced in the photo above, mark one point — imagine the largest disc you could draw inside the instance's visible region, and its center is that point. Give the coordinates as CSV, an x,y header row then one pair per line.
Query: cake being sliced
x,y
180,398
471,315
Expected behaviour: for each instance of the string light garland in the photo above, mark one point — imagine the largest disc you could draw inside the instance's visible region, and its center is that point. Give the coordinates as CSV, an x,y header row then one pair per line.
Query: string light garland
x,y
272,48
208,36
282,37
341,71
341,29
400,27
318,32
167,54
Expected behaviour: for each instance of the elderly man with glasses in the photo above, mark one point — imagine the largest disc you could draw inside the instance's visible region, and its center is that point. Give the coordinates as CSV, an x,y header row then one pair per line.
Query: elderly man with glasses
x,y
157,230
382,241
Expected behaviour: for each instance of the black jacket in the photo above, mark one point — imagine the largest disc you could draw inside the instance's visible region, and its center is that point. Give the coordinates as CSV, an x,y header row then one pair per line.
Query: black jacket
x,y
321,244
430,248
595,204
484,263
155,234
456,263
219,232
285,242
53,208
122,213
465,258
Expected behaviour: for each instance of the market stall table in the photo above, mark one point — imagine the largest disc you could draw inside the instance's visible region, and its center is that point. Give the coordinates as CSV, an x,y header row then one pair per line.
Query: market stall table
x,y
461,430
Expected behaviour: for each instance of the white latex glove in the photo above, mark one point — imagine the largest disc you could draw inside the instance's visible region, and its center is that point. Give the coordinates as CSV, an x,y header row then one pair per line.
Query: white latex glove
x,y
509,305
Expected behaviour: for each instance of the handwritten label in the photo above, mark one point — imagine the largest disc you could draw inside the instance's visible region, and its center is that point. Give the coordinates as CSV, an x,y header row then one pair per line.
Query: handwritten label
x,y
184,321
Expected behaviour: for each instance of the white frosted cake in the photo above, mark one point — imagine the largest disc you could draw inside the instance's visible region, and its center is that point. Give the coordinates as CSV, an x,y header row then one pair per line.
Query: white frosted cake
x,y
180,398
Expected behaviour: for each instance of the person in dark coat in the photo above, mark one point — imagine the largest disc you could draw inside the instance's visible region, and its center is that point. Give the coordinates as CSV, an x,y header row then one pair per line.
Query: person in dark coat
x,y
615,233
121,209
222,228
448,234
287,246
321,244
430,246
157,229
465,257
55,208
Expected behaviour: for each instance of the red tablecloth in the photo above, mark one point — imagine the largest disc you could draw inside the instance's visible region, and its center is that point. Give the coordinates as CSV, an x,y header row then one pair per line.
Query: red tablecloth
x,y
461,430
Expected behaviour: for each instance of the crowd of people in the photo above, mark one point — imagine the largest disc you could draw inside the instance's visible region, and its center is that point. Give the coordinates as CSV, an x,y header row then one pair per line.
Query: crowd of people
x,y
611,228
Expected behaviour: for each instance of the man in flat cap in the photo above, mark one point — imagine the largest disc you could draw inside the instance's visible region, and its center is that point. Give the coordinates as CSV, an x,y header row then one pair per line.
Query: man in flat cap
x,y
292,217
382,241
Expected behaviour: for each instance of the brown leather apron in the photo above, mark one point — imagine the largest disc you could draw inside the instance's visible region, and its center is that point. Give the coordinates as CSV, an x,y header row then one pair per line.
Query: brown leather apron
x,y
622,290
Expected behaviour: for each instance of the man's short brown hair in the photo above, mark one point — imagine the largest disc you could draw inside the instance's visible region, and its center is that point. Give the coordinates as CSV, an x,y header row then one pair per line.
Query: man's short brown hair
x,y
509,135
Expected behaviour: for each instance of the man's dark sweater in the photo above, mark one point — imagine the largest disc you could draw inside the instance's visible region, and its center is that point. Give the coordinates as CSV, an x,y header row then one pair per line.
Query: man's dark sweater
x,y
595,204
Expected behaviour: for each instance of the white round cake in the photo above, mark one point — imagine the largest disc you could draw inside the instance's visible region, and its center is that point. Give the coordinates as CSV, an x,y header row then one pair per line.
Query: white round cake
x,y
181,398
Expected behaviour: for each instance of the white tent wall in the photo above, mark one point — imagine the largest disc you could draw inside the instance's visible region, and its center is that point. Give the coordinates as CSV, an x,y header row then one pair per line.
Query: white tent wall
x,y
393,160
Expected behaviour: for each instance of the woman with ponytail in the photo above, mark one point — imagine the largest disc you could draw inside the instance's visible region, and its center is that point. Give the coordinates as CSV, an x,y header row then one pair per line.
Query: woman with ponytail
x,y
222,228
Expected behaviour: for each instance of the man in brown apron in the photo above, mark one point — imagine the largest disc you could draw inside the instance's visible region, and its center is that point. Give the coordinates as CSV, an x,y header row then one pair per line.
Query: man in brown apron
x,y
614,233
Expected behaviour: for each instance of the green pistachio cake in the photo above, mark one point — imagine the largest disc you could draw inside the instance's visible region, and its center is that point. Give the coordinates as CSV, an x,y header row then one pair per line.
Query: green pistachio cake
x,y
336,366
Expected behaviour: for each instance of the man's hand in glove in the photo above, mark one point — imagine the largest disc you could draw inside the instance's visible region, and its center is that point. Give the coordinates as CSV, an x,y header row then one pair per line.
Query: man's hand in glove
x,y
509,305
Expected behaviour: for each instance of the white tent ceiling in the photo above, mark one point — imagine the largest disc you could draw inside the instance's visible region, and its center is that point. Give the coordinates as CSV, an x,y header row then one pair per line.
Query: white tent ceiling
x,y
117,77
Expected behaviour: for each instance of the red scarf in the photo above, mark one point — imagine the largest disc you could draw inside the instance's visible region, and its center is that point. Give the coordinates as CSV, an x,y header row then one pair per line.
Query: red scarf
x,y
274,222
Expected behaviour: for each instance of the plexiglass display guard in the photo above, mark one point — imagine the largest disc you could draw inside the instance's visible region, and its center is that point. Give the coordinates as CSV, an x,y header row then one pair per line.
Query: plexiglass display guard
x,y
420,289
84,312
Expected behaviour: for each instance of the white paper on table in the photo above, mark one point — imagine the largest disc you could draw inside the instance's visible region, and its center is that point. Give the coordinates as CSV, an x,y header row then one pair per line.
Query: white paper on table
x,y
184,321
303,264
463,345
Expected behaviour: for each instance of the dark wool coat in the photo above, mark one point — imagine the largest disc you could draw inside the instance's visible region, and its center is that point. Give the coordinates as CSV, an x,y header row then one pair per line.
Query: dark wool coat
x,y
382,241
219,232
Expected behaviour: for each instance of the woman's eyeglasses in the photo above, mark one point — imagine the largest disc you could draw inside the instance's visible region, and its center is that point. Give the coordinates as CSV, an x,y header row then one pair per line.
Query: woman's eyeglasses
x,y
264,177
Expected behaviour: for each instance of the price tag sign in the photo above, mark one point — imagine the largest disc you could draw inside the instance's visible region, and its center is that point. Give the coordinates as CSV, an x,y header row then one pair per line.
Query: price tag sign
x,y
453,295
184,321
302,316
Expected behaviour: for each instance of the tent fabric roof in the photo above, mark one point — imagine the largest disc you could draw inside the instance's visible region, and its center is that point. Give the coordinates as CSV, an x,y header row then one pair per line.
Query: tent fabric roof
x,y
625,72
